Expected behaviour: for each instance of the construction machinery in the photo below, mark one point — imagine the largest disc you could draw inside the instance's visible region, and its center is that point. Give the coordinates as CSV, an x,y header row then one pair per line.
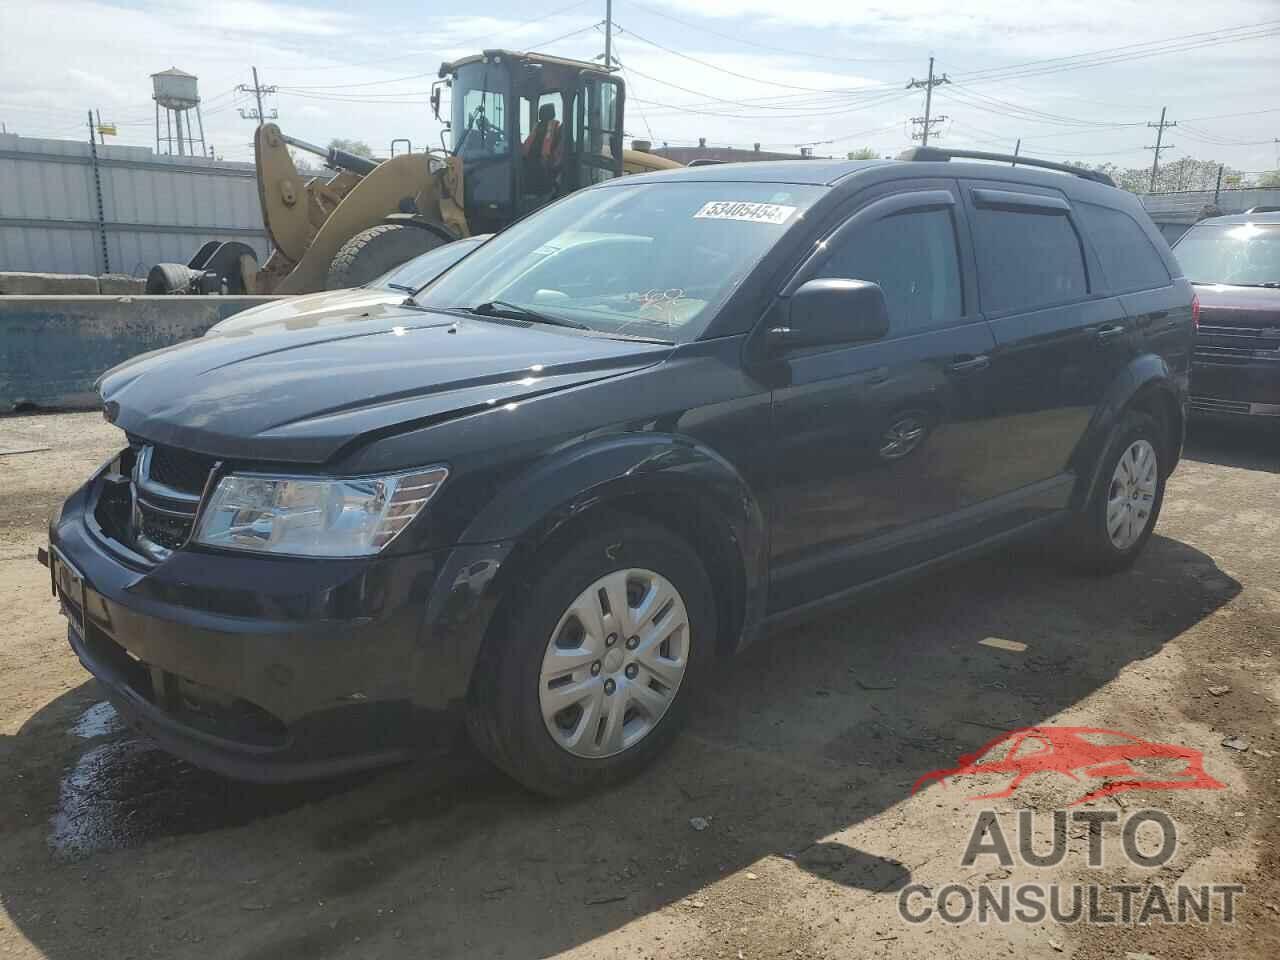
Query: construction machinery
x,y
525,130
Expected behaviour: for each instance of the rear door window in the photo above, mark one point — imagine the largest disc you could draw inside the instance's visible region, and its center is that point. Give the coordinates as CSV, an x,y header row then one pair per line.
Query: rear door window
x,y
1027,259
1129,259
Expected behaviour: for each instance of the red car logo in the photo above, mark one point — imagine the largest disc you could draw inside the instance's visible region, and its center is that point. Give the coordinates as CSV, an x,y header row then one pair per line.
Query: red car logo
x,y
1121,760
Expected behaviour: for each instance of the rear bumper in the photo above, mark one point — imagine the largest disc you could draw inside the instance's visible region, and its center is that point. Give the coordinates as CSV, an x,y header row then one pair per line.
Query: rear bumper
x,y
1236,389
272,668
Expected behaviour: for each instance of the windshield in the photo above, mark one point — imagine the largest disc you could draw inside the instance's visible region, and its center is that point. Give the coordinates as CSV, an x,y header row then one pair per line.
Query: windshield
x,y
422,269
647,259
1243,253
479,121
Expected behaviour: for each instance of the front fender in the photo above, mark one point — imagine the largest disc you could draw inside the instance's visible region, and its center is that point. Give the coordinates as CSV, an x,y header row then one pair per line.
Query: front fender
x,y
565,485
1145,373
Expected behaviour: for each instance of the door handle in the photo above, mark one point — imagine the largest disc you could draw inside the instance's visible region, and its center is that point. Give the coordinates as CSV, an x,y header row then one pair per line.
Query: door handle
x,y
1105,334
967,364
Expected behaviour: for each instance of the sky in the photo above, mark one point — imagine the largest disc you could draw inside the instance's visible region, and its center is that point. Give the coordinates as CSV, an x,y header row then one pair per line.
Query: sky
x,y
1076,80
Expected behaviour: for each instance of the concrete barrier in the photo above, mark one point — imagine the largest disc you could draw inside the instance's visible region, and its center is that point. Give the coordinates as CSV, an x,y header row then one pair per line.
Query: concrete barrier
x,y
69,284
52,349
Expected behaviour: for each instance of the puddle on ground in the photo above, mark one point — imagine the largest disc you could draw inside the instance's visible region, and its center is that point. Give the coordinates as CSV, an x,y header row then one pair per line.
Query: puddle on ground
x,y
127,792
100,720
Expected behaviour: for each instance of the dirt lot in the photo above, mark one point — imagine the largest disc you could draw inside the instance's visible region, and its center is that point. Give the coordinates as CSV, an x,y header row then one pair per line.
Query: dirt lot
x,y
801,757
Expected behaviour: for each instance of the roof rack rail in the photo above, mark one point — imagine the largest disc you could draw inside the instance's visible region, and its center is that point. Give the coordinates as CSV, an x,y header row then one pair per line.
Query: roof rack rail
x,y
940,154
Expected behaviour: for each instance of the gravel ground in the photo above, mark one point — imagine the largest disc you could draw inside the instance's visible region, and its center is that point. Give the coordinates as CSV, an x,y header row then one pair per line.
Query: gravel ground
x,y
800,759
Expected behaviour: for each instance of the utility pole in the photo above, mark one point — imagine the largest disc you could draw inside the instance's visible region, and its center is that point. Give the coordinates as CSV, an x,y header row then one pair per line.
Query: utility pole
x,y
927,121
257,90
97,189
608,34
1160,145
1017,148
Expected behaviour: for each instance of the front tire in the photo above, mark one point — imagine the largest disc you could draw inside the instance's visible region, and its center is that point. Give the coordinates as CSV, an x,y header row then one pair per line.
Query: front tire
x,y
1122,512
588,677
372,252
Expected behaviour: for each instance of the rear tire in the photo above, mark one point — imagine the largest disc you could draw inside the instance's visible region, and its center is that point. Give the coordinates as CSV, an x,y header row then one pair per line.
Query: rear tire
x,y
1122,512
512,715
372,252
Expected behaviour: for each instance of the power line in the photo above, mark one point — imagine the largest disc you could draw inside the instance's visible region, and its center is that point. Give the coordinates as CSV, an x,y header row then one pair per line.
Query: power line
x,y
463,44
1126,51
725,70
807,54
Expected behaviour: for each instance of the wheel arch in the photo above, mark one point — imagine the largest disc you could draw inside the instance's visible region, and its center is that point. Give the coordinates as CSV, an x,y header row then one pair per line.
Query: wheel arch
x,y
672,482
1146,385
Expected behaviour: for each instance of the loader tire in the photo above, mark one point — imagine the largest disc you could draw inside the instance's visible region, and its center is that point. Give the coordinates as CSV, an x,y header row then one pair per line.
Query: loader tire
x,y
169,279
372,252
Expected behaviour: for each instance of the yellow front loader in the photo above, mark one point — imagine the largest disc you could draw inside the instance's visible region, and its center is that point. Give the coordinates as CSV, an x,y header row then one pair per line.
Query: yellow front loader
x,y
526,130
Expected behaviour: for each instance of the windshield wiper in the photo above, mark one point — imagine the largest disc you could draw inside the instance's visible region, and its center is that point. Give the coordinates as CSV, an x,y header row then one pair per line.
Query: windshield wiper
x,y
403,288
513,311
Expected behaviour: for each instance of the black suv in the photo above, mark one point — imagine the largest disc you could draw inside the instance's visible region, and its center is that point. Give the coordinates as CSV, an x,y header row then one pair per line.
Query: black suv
x,y
618,441
1234,262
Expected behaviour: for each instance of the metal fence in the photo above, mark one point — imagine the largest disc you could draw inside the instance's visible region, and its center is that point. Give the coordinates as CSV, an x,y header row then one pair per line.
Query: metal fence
x,y
63,210
1174,213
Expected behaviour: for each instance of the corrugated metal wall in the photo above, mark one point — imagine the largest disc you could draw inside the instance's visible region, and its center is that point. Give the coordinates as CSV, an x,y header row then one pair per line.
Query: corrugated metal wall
x,y
156,208
1174,213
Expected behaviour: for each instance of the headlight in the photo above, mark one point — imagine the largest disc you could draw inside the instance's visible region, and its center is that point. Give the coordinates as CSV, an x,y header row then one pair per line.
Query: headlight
x,y
315,517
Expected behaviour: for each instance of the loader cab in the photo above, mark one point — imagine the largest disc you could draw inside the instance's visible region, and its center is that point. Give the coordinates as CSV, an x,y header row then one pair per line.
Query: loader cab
x,y
529,129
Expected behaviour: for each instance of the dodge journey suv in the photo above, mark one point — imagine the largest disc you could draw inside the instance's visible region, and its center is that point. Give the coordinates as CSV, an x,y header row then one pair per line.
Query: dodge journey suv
x,y
618,441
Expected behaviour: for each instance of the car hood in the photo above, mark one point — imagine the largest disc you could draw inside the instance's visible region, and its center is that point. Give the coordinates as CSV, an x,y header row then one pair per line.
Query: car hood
x,y
303,395
1228,305
309,310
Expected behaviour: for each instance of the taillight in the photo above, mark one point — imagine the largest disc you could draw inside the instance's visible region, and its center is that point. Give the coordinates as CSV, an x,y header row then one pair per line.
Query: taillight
x,y
1195,311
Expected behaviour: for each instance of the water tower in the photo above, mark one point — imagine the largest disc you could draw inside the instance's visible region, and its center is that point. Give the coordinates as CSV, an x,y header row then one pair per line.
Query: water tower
x,y
175,91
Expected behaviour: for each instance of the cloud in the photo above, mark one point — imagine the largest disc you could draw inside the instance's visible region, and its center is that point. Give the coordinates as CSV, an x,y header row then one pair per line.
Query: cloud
x,y
325,60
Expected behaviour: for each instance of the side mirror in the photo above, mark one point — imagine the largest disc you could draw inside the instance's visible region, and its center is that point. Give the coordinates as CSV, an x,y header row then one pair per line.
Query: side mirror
x,y
829,312
435,97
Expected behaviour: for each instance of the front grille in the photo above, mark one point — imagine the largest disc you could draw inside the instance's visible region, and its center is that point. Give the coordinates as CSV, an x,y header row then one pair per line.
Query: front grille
x,y
179,469
1214,405
168,531
1232,345
148,500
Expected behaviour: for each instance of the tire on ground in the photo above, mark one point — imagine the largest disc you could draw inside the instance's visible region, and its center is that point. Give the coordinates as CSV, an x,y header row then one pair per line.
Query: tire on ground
x,y
168,279
504,715
1090,548
372,252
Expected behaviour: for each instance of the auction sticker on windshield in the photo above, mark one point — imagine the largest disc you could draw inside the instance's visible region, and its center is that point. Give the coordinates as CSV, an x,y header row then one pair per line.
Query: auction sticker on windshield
x,y
745,210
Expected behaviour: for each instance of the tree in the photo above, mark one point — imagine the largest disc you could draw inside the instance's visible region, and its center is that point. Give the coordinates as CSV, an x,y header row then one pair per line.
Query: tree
x,y
864,153
358,147
1178,176
1270,180
303,162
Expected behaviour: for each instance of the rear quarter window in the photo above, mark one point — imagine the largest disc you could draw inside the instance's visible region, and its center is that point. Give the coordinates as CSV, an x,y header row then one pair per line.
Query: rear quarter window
x,y
1129,260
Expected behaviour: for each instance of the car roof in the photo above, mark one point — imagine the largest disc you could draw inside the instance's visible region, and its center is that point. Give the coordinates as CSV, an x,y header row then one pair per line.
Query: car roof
x,y
816,172
833,172
1241,218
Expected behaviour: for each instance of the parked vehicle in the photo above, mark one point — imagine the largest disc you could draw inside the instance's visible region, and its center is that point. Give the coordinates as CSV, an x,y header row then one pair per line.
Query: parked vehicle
x,y
1234,262
525,127
611,447
338,306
